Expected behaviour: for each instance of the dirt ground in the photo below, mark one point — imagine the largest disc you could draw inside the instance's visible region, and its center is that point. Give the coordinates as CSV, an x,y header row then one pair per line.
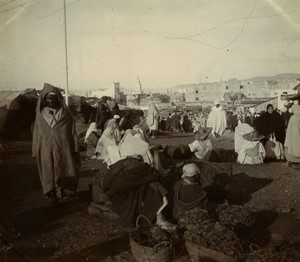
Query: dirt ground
x,y
38,232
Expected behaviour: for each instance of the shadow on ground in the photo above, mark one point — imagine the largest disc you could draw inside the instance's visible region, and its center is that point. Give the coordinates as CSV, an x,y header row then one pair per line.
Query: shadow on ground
x,y
258,234
242,186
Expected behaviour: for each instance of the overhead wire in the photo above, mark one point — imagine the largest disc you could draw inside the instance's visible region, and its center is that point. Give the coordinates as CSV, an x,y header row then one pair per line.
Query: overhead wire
x,y
228,22
7,3
9,9
190,38
53,12
243,27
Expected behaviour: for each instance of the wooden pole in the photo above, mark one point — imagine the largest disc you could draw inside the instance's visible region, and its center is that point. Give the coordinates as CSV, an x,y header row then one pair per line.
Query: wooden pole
x,y
66,52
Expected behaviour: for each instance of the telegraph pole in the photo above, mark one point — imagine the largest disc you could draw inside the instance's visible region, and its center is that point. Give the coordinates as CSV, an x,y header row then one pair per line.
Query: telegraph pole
x,y
66,52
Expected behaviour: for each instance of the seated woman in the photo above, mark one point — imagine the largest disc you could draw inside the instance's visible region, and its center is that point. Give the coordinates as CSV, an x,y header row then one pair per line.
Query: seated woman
x,y
248,146
134,140
134,189
188,193
110,137
202,146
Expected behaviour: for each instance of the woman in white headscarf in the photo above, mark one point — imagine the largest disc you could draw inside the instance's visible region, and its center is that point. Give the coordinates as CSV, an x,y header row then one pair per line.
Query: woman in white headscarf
x,y
188,192
110,137
152,119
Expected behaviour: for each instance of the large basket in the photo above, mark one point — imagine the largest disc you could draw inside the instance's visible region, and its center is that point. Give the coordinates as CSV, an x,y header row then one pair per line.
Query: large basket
x,y
199,253
162,252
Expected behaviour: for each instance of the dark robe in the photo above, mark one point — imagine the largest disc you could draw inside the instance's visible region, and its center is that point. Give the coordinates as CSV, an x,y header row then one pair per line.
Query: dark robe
x,y
267,124
187,197
133,189
286,117
186,125
103,114
168,123
248,120
233,122
175,123
56,148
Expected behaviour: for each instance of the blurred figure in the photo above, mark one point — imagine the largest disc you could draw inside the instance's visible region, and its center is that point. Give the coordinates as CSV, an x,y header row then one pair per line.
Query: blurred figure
x,y
233,121
104,113
168,122
175,121
286,115
186,124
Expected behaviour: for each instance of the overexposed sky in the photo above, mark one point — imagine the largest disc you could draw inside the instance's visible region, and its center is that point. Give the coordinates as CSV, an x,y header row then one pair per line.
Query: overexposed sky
x,y
164,42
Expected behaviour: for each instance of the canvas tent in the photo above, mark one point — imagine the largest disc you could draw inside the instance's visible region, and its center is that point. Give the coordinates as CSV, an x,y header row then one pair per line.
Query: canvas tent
x,y
17,113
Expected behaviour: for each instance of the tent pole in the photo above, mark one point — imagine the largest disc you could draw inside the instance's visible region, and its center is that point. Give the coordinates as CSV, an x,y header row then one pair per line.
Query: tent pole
x,y
66,52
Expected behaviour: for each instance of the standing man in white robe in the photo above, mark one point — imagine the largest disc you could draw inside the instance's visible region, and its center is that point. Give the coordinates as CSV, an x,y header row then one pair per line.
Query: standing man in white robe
x,y
217,120
152,119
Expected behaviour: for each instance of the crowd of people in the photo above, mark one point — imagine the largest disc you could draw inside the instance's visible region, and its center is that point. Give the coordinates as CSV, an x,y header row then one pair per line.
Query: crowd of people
x,y
134,166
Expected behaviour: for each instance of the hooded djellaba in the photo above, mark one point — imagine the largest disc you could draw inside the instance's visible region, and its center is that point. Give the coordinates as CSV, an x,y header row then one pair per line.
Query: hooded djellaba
x,y
55,145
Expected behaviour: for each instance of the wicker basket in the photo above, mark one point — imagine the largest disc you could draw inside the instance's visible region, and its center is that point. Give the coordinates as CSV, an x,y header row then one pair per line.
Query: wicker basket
x,y
199,253
162,252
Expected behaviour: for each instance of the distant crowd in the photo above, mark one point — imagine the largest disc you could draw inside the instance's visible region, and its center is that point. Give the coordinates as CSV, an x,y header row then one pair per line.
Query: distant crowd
x,y
133,166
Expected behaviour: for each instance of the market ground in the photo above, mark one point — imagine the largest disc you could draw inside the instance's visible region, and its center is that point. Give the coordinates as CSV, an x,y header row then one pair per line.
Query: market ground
x,y
68,233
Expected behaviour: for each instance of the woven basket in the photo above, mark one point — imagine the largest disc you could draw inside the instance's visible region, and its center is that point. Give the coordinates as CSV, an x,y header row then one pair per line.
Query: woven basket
x,y
199,253
162,252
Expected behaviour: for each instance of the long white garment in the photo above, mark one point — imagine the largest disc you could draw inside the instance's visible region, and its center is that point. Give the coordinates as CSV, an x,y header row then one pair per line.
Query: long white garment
x,y
217,120
152,117
92,127
249,152
292,140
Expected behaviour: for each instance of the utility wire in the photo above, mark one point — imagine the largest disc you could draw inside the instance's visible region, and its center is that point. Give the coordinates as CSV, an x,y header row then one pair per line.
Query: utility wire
x,y
4,11
190,38
228,22
243,27
52,13
7,3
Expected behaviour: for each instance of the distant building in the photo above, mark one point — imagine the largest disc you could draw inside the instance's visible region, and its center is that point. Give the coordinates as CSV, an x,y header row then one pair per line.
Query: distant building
x,y
114,92
102,92
177,98
204,92
119,96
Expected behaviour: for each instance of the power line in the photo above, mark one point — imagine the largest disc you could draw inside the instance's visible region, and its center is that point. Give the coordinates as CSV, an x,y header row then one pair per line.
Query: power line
x,y
52,13
228,22
16,7
194,40
7,3
243,27
190,38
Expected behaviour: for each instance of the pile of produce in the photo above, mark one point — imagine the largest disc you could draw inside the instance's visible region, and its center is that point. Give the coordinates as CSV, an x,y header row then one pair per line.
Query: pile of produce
x,y
216,237
282,253
235,216
194,217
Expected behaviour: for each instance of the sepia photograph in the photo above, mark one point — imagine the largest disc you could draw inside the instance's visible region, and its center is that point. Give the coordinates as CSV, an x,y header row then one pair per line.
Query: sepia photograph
x,y
149,130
